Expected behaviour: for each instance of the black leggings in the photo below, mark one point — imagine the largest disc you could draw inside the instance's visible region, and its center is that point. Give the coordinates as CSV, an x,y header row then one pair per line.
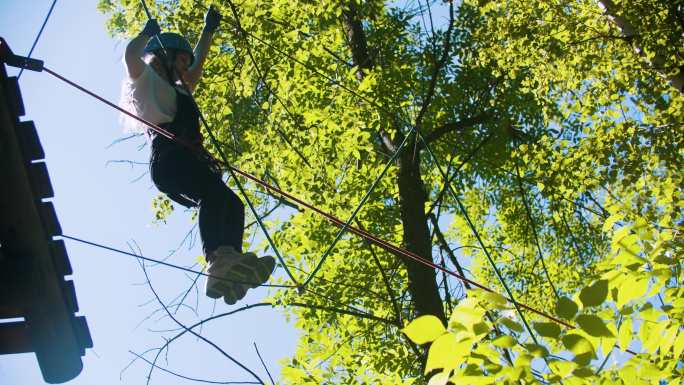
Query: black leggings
x,y
191,183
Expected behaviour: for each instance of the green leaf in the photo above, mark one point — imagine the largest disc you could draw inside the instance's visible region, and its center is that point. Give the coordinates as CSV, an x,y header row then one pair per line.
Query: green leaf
x,y
668,339
202,261
504,342
424,329
625,333
631,290
608,224
593,325
595,294
577,344
562,368
511,325
481,328
583,372
473,380
467,314
443,353
547,329
566,308
652,334
440,378
679,345
537,350
496,300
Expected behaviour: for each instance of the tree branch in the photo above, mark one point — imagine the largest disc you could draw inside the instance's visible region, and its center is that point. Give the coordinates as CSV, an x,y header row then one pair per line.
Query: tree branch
x,y
463,124
438,67
185,328
356,38
263,363
188,378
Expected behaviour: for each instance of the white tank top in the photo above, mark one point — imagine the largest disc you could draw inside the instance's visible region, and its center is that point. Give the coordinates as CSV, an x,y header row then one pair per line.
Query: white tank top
x,y
154,98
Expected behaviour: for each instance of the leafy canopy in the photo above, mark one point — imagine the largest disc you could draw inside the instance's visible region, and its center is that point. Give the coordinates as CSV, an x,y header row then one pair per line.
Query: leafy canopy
x,y
575,188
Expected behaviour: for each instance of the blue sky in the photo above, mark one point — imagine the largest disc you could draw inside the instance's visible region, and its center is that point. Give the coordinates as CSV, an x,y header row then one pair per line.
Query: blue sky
x,y
108,203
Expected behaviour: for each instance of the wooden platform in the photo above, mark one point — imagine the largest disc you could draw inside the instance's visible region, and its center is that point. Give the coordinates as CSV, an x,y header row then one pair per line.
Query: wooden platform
x,y
37,303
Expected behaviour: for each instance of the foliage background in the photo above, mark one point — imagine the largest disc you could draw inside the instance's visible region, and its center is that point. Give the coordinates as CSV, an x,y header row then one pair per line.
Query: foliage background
x,y
561,132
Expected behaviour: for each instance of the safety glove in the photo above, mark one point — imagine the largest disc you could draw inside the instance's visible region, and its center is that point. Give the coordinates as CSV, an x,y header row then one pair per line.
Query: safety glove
x,y
212,20
151,28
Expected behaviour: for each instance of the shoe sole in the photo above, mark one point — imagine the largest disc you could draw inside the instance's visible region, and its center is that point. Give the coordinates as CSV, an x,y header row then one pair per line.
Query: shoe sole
x,y
247,274
234,294
253,272
216,286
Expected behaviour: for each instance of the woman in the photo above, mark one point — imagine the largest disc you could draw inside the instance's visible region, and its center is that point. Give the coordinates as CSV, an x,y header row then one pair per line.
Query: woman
x,y
155,90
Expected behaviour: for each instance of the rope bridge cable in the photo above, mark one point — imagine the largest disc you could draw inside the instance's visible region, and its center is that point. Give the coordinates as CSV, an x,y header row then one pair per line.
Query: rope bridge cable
x,y
101,246
335,82
218,148
40,32
370,237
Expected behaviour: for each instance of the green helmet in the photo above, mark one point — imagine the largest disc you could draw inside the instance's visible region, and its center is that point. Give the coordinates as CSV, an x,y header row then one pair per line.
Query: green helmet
x,y
170,40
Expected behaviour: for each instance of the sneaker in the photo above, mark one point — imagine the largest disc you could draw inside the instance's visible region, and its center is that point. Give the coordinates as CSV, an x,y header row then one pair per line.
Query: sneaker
x,y
216,269
264,269
233,293
246,268
246,271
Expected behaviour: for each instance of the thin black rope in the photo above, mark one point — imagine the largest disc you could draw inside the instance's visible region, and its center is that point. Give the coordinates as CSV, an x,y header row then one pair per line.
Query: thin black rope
x,y
363,201
471,225
94,244
528,211
40,32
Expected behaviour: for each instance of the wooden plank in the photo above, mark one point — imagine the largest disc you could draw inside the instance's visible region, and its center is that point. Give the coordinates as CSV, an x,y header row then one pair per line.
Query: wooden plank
x,y
40,181
60,258
29,141
15,338
16,102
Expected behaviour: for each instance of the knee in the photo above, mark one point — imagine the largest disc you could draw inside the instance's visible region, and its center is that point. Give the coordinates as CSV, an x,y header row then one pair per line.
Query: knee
x,y
235,200
227,196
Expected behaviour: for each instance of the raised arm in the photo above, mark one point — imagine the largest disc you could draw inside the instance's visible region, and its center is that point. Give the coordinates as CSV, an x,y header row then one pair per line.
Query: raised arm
x,y
136,47
211,21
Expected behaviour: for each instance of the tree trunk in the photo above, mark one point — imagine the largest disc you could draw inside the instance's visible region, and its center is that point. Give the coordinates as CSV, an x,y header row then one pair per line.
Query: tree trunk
x,y
422,283
412,197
